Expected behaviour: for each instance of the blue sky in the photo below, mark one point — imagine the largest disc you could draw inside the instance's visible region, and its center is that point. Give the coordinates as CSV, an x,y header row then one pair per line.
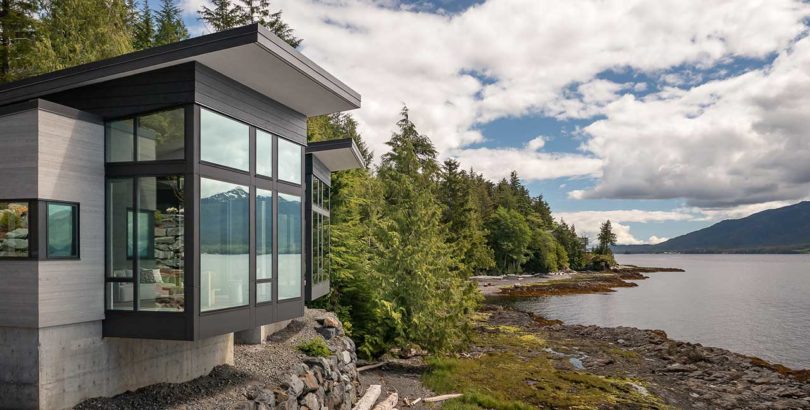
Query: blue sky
x,y
664,117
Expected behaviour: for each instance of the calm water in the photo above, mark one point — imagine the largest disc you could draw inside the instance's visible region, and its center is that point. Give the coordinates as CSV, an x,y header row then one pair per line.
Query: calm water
x,y
752,304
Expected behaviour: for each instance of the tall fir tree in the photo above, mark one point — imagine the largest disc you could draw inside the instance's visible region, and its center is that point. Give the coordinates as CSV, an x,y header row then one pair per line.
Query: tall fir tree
x,y
81,31
463,220
18,27
258,11
144,32
428,300
170,26
223,15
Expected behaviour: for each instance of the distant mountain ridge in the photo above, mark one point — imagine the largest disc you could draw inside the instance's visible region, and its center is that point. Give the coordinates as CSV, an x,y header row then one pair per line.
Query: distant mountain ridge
x,y
780,230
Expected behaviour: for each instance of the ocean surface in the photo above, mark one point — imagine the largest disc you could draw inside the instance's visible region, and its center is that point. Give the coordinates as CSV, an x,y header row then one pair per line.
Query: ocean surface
x,y
752,304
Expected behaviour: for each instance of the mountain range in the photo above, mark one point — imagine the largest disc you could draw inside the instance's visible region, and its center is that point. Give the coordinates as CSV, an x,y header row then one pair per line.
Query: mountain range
x,y
781,230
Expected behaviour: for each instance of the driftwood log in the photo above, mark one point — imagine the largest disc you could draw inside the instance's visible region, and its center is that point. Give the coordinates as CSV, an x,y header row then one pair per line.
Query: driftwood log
x,y
368,399
372,366
442,397
389,403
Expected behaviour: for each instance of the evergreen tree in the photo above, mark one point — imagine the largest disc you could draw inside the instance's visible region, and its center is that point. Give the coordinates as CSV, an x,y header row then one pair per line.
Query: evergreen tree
x,y
510,237
224,15
463,220
144,28
606,238
428,300
258,11
81,31
18,29
541,208
170,26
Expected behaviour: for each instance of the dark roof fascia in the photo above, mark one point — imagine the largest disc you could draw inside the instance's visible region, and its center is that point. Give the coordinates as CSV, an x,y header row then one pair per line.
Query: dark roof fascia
x,y
52,107
328,145
273,43
65,79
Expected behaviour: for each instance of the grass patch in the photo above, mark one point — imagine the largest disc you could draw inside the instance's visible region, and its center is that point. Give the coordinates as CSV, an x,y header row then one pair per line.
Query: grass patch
x,y
517,374
316,347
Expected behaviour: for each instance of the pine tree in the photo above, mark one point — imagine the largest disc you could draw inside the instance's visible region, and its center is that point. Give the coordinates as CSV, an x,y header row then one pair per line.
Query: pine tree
x,y
224,15
144,28
428,299
170,26
81,31
258,11
18,29
606,238
463,220
510,237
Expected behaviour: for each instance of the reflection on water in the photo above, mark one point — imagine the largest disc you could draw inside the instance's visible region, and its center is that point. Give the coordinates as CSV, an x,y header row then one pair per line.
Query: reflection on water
x,y
751,304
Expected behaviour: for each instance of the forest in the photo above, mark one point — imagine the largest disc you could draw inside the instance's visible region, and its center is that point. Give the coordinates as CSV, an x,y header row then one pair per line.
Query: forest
x,y
408,231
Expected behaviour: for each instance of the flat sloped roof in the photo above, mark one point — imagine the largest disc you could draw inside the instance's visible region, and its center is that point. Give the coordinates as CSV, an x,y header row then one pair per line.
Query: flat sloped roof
x,y
337,155
251,55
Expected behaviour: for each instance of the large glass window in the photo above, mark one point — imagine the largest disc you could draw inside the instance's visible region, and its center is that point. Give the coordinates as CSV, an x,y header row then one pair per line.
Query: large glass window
x,y
120,209
14,230
289,246
264,242
161,244
264,153
62,230
289,161
161,135
121,140
224,141
224,245
146,238
320,247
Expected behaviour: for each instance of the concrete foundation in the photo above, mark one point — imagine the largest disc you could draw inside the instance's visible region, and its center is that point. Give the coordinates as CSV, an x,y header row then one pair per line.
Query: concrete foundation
x,y
60,366
259,334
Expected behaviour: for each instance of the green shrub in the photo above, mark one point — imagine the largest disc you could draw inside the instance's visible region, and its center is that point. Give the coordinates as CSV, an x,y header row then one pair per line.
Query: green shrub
x,y
316,347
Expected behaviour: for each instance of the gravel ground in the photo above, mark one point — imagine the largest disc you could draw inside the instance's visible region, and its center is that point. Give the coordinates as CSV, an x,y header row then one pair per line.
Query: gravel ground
x,y
226,385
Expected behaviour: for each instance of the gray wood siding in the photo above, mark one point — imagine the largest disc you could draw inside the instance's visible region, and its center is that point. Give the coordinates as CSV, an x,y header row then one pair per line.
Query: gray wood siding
x,y
71,168
215,91
168,87
18,166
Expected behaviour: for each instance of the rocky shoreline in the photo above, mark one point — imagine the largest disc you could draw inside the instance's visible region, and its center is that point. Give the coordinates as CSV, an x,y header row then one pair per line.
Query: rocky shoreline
x,y
681,374
580,282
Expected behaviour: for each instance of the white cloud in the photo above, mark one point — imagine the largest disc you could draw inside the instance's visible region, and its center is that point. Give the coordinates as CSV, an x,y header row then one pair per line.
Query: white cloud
x,y
655,240
530,164
736,141
524,55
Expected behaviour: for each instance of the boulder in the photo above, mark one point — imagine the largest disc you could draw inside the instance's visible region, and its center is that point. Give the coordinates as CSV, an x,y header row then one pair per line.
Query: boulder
x,y
19,233
310,381
311,401
295,386
327,332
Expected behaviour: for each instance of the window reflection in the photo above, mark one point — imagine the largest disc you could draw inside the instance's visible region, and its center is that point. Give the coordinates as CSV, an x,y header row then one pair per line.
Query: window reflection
x,y
14,229
224,141
161,135
289,246
264,234
62,230
224,245
289,161
264,153
161,243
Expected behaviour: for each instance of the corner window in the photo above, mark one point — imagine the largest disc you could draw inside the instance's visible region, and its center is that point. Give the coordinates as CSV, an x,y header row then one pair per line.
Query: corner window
x,y
289,161
14,242
224,245
289,246
158,136
62,227
264,245
146,243
224,141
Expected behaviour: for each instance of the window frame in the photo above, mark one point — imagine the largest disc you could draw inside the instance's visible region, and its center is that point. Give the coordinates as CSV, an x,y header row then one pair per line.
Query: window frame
x,y
187,112
33,227
76,231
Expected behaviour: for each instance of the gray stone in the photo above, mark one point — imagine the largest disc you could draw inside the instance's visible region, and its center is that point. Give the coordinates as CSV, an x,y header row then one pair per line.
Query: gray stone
x,y
19,233
16,243
300,368
311,401
327,332
347,358
295,386
243,405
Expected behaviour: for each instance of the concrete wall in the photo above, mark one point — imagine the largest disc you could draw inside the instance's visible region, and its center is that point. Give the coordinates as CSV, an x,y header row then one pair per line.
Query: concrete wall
x,y
76,364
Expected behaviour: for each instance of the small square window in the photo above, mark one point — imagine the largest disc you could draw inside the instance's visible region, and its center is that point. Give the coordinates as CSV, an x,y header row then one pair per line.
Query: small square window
x,y
62,230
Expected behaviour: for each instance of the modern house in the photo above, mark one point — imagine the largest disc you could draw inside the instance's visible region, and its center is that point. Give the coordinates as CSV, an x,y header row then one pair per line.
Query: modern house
x,y
156,206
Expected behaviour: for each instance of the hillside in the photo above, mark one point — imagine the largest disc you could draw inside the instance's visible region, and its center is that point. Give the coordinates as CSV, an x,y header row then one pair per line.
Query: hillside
x,y
781,230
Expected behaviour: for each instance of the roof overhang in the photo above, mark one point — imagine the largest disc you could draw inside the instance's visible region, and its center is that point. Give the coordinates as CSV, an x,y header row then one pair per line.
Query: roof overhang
x,y
251,55
337,155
